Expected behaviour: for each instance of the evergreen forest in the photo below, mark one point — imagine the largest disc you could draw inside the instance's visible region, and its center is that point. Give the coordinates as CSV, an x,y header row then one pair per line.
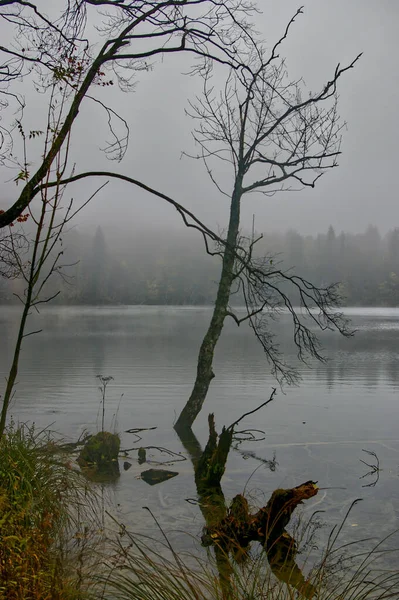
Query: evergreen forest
x,y
156,267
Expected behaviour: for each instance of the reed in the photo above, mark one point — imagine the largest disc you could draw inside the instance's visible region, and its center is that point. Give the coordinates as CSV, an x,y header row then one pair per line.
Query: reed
x,y
141,569
42,502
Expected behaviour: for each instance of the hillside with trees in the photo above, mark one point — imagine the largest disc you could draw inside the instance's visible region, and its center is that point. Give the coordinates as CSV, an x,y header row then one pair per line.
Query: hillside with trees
x,y
166,268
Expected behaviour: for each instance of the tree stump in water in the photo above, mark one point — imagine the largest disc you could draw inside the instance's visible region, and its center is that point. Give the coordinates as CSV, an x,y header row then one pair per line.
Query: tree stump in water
x,y
231,530
265,526
239,528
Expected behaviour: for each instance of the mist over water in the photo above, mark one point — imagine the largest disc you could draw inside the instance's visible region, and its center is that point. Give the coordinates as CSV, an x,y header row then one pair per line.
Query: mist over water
x,y
155,266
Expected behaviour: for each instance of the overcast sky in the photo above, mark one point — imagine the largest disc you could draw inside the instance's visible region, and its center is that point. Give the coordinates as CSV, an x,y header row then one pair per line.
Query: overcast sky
x,y
362,190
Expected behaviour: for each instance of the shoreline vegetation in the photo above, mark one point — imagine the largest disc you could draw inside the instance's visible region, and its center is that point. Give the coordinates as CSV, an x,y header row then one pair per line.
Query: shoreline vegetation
x,y
59,542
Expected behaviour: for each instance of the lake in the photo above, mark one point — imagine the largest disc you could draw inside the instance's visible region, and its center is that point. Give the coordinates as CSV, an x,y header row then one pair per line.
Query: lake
x,y
316,431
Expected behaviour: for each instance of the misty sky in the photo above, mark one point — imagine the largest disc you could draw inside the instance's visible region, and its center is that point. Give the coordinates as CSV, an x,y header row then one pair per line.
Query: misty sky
x,y
361,191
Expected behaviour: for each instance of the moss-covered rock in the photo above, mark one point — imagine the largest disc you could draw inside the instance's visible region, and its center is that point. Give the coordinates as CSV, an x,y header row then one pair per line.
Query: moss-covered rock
x,y
100,451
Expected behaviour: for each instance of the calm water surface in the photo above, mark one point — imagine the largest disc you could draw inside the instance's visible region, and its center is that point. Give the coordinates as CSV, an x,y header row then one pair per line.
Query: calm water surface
x,y
317,430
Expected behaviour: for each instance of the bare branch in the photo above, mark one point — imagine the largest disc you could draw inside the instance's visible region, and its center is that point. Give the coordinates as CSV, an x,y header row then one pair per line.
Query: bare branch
x,y
59,54
251,412
184,213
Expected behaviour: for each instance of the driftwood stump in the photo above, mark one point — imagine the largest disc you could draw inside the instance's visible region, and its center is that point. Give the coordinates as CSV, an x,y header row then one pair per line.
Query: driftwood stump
x,y
266,526
239,528
231,529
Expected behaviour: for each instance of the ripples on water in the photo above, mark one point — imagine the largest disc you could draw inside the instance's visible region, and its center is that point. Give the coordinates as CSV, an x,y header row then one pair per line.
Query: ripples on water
x,y
317,430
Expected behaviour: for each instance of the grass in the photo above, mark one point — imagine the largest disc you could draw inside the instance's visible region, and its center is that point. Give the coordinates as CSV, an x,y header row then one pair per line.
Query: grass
x,y
146,576
142,570
41,501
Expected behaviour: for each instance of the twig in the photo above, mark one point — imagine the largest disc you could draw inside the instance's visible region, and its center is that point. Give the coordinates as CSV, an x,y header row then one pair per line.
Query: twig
x,y
254,410
179,457
137,429
374,469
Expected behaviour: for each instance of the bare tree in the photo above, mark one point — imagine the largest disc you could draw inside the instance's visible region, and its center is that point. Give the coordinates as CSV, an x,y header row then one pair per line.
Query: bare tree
x,y
274,137
259,123
35,257
58,51
59,56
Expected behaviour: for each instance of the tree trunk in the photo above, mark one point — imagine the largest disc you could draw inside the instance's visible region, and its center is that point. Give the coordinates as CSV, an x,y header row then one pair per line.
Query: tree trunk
x,y
205,372
15,362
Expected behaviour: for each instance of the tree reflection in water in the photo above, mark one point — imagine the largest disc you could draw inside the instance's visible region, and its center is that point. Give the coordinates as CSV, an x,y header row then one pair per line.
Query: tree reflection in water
x,y
230,530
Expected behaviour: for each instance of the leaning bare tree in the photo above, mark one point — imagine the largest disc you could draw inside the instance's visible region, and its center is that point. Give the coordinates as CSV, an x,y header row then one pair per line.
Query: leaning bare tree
x,y
270,133
274,137
70,62
131,36
35,255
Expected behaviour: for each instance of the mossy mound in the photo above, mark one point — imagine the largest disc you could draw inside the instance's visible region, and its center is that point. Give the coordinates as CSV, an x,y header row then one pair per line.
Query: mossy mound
x,y
100,451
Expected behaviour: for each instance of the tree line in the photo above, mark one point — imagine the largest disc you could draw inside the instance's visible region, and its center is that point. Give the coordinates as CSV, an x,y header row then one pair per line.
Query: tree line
x,y
164,268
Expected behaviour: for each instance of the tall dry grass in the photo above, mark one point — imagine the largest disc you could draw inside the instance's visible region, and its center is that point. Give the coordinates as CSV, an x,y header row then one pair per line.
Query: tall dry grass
x,y
42,506
142,569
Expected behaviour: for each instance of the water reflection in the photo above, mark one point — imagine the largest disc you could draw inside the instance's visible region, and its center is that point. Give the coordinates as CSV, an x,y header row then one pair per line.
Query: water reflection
x,y
369,358
230,530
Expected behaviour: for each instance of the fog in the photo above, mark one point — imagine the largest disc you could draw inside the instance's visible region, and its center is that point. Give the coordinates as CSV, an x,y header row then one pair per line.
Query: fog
x,y
159,266
361,191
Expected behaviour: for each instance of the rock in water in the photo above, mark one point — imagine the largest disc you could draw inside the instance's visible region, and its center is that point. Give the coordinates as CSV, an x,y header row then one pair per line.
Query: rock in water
x,y
100,450
154,476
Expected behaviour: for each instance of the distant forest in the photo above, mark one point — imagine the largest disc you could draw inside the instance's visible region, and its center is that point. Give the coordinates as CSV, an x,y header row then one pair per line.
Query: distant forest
x,y
154,267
